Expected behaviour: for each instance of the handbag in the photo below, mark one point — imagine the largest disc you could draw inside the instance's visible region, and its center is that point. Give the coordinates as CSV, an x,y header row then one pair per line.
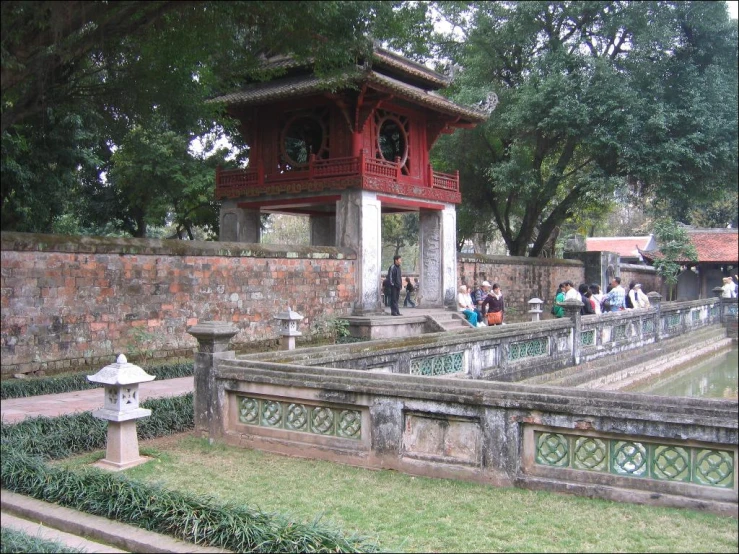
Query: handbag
x,y
495,318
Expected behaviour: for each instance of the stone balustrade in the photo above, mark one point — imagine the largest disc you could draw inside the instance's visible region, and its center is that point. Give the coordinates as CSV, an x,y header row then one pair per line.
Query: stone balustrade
x,y
428,405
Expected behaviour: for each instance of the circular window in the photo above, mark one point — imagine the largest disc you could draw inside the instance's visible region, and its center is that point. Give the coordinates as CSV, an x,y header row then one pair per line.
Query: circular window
x,y
392,140
303,136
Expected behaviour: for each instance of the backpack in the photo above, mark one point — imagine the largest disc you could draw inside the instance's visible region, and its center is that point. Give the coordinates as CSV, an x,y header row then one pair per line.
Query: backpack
x,y
629,303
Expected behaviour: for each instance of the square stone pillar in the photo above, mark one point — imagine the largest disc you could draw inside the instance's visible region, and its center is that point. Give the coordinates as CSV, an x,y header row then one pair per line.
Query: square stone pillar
x,y
572,311
238,224
358,226
213,338
438,254
323,230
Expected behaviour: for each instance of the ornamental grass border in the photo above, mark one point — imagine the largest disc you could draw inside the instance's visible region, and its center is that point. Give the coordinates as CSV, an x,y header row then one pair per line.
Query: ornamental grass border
x,y
195,519
35,386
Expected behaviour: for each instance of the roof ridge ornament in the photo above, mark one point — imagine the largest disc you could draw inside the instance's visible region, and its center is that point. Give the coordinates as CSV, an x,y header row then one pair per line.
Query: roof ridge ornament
x,y
488,104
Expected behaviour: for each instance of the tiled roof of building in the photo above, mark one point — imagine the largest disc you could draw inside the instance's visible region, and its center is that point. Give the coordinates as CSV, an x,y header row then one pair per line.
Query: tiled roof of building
x,y
385,57
294,87
712,245
381,58
626,247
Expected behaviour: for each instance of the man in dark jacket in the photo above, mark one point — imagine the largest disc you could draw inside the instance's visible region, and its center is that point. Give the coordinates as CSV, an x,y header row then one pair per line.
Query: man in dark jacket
x,y
396,283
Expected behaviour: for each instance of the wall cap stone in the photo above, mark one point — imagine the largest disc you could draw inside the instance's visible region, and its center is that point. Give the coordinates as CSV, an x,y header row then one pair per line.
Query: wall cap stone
x,y
35,242
524,260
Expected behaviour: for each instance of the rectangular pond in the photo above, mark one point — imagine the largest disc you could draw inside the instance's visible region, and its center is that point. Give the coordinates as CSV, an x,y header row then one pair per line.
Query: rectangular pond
x,y
715,377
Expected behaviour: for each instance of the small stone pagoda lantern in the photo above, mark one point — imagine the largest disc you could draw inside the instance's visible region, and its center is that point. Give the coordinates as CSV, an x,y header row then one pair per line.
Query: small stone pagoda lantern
x,y
535,310
121,409
288,328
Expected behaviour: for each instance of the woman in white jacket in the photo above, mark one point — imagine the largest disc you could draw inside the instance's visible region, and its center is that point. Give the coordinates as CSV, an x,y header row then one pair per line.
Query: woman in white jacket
x,y
638,298
465,305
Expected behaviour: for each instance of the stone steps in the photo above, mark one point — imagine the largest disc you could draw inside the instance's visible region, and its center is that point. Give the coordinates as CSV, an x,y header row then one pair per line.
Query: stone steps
x,y
616,367
451,321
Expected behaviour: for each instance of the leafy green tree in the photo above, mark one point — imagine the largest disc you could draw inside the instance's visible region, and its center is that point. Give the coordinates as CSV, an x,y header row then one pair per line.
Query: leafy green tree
x,y
43,168
592,95
153,179
128,66
399,231
674,247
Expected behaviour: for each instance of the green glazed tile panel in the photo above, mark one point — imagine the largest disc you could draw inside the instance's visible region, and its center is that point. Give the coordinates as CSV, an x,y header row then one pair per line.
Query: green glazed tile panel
x,y
619,333
318,420
647,327
587,338
639,459
438,365
695,316
528,349
714,311
672,320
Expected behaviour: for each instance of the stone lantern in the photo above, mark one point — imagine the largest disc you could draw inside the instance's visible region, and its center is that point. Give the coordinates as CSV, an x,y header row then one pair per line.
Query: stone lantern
x,y
288,328
121,410
535,310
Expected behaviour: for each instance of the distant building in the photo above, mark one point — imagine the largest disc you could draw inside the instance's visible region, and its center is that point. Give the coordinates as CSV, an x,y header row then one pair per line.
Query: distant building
x,y
718,257
626,247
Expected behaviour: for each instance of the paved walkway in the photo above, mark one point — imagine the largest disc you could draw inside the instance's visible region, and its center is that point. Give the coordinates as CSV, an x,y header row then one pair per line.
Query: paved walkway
x,y
53,405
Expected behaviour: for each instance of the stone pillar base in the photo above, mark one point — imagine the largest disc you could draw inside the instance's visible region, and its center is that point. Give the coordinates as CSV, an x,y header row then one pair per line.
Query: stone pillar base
x,y
122,451
107,465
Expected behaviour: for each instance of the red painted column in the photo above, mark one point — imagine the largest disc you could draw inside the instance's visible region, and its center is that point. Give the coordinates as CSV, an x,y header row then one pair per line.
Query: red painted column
x,y
356,143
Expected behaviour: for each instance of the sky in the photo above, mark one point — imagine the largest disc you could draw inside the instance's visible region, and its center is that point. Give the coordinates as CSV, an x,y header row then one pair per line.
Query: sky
x,y
733,7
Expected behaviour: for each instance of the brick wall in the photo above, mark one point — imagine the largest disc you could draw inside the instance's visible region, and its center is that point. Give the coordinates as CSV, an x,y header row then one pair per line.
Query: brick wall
x,y
645,275
69,302
520,279
74,301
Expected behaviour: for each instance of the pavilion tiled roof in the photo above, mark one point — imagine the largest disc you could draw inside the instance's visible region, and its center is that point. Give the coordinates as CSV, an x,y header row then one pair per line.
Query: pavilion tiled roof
x,y
379,59
385,57
626,247
384,71
305,85
712,246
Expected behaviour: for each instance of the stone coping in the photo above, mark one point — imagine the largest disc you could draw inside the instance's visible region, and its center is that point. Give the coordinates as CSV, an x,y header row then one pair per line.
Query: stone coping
x,y
517,260
34,242
320,354
581,402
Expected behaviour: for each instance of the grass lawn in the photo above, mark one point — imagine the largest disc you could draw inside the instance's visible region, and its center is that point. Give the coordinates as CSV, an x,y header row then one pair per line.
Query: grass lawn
x,y
415,514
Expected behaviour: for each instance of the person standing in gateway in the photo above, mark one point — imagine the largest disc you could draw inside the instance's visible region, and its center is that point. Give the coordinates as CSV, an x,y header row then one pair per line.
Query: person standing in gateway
x,y
396,283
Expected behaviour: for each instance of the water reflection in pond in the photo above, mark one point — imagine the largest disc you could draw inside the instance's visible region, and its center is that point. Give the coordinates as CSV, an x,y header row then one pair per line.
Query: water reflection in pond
x,y
712,378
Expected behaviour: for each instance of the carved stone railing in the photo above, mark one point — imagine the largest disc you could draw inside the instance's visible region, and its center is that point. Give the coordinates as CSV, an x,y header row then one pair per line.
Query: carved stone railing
x,y
679,452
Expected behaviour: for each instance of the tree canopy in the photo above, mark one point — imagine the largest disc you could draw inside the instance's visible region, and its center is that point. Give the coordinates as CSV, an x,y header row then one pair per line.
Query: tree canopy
x,y
81,79
592,96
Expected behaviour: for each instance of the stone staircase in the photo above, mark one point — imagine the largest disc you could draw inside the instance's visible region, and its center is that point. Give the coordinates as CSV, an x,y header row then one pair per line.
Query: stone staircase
x,y
449,320
630,368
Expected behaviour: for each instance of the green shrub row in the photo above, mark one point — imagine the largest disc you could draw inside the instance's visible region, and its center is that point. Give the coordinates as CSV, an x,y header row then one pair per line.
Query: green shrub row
x,y
196,519
34,386
53,438
12,541
199,520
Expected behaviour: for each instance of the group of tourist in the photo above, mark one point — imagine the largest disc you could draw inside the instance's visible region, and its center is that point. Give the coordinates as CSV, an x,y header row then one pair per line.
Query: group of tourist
x,y
483,305
594,302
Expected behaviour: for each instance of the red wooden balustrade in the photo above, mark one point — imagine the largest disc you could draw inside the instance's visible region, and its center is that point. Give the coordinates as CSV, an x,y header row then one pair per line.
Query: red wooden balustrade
x,y
232,182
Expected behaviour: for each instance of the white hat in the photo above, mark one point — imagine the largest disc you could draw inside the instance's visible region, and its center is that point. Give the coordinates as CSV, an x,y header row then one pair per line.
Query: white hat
x,y
637,285
485,284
